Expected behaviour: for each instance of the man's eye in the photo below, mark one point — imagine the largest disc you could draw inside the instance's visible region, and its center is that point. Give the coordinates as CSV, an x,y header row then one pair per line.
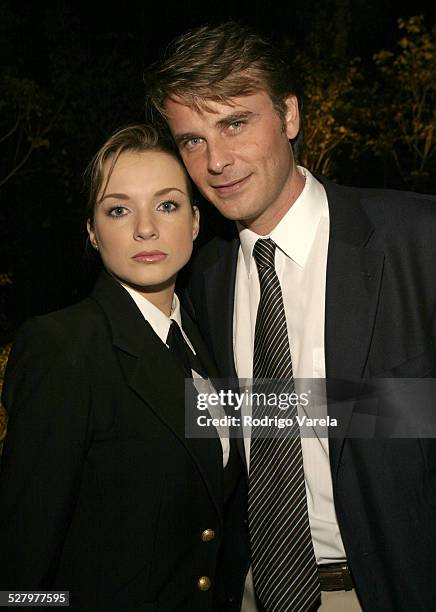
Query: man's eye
x,y
117,211
236,125
192,142
168,206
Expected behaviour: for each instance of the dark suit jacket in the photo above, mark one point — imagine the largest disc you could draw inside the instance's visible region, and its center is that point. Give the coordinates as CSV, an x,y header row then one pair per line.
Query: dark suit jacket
x,y
101,493
380,321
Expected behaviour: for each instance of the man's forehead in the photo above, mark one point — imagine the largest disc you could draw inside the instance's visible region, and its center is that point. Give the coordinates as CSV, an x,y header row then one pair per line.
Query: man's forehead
x,y
179,106
198,104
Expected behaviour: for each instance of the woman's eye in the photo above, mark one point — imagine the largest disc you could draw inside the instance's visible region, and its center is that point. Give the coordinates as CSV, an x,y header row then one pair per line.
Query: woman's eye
x,y
117,211
168,206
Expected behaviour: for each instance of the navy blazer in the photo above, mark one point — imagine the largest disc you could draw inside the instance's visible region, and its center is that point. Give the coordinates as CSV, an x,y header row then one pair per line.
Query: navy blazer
x,y
101,492
380,321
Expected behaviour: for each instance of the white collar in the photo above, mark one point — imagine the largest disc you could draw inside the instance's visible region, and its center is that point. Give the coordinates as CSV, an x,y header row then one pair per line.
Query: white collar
x,y
295,232
155,317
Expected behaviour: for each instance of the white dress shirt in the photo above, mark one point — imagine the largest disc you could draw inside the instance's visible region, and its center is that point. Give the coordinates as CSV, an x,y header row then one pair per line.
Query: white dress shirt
x,y
301,261
160,324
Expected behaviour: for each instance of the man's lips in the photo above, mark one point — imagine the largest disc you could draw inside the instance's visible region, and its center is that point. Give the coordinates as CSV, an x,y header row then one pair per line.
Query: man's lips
x,y
232,186
149,256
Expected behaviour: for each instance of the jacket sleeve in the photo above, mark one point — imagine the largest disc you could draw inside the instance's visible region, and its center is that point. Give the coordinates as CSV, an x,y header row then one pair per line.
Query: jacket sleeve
x,y
47,398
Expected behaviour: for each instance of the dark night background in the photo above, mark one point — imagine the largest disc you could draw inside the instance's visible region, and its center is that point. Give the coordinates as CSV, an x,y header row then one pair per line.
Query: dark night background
x,y
79,66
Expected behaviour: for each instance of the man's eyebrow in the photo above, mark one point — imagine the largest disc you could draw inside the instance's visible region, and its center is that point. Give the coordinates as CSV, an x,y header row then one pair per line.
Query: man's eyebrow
x,y
221,123
236,116
179,138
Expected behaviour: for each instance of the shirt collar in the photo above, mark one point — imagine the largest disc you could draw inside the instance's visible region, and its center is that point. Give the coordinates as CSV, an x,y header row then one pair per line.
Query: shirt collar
x,y
295,233
155,317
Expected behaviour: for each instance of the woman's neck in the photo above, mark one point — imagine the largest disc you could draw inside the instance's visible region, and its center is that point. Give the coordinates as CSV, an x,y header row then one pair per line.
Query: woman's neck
x,y
161,296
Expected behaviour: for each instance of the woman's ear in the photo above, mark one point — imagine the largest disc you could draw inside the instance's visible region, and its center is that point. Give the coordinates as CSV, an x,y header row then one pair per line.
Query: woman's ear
x,y
91,234
196,222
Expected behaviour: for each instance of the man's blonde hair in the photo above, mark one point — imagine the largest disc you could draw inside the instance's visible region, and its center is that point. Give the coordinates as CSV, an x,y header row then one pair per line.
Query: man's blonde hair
x,y
216,63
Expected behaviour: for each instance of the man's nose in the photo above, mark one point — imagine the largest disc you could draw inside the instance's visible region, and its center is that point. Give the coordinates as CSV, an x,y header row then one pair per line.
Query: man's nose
x,y
219,156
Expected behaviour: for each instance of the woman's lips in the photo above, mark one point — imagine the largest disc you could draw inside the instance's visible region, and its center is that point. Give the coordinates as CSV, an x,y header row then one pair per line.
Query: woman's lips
x,y
149,256
231,187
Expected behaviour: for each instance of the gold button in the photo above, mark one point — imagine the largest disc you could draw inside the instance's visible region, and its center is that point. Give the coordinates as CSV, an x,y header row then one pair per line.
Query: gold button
x,y
204,583
208,535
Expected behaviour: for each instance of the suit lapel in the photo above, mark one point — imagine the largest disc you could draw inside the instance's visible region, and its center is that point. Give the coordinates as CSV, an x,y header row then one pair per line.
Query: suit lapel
x,y
155,376
162,387
198,344
219,281
354,274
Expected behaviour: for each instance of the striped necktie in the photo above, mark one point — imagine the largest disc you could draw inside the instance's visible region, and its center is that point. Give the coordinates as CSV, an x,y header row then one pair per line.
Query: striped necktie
x,y
283,561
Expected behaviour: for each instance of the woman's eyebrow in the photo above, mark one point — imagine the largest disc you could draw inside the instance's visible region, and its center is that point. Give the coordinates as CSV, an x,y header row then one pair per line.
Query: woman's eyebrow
x,y
167,190
118,196
124,196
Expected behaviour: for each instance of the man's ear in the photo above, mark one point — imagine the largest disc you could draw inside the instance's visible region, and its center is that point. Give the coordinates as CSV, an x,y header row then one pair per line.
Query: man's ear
x,y
196,222
292,117
91,234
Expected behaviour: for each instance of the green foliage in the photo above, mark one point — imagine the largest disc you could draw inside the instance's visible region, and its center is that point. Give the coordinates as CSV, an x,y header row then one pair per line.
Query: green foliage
x,y
406,100
348,114
91,84
26,119
330,115
5,279
4,354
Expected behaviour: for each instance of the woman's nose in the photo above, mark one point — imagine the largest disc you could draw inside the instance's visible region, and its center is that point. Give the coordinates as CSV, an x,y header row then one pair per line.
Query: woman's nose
x,y
145,227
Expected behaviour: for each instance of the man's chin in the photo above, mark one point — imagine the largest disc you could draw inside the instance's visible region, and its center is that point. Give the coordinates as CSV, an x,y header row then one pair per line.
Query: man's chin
x,y
233,212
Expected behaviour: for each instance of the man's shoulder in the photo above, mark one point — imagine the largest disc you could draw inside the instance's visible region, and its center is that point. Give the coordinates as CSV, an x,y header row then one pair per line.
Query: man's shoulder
x,y
390,200
391,209
401,214
395,199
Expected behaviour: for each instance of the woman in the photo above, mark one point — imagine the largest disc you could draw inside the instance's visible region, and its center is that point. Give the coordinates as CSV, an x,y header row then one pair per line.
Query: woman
x,y
101,493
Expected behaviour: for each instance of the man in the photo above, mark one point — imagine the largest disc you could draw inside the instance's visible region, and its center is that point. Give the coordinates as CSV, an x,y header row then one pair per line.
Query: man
x,y
319,281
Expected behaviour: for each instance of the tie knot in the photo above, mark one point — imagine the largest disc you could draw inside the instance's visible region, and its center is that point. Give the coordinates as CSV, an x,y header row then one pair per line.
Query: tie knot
x,y
264,252
174,334
174,331
187,358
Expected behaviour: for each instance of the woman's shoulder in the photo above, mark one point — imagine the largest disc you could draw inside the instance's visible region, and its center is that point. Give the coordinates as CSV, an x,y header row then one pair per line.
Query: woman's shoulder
x,y
75,326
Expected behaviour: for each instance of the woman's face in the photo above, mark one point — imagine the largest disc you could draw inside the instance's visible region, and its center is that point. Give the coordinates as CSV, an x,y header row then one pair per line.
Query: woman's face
x,y
144,224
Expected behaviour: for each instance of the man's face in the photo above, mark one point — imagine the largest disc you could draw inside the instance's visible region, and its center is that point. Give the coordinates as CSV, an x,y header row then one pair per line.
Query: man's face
x,y
239,156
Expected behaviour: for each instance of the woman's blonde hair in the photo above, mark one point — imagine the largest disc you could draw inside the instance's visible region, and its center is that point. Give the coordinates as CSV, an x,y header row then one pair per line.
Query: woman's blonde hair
x,y
137,138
